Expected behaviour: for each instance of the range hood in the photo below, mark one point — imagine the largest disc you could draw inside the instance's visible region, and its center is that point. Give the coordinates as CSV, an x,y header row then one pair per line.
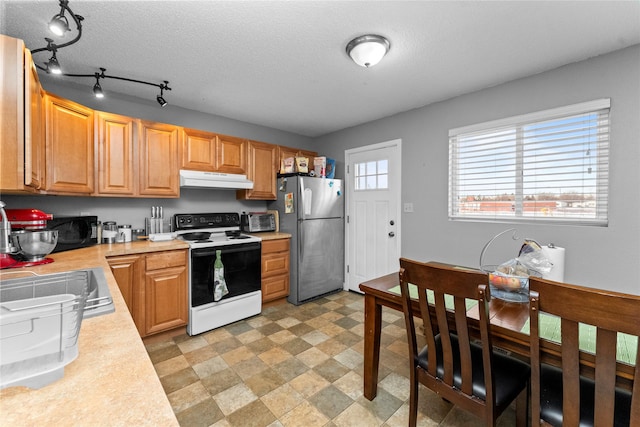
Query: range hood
x,y
228,181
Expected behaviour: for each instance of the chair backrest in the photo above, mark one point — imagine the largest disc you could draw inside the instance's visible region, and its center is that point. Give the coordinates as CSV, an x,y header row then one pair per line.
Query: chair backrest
x,y
460,284
610,313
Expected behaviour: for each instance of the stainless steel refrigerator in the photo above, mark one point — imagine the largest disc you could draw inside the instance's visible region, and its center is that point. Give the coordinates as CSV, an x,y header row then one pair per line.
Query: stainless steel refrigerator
x,y
312,211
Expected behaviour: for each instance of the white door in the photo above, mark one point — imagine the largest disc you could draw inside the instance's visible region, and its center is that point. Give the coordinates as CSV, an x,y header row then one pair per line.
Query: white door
x,y
373,188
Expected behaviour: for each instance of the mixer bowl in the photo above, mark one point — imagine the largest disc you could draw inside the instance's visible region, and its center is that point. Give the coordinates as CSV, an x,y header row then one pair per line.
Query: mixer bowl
x,y
34,245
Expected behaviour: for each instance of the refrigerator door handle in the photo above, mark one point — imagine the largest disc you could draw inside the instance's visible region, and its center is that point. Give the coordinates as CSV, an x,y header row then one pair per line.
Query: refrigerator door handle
x,y
301,244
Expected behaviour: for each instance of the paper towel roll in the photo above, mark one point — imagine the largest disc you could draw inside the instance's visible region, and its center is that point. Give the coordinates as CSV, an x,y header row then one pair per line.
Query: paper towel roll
x,y
554,254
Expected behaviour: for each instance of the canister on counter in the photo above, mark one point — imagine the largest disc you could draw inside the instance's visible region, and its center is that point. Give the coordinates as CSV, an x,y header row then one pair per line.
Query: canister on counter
x,y
109,232
124,233
137,233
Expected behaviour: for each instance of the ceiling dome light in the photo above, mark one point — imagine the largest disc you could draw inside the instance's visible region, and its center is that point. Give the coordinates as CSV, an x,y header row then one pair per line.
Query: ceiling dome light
x,y
368,50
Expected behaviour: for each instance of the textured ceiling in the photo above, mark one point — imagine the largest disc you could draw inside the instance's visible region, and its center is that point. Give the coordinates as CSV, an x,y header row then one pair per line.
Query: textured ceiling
x,y
283,64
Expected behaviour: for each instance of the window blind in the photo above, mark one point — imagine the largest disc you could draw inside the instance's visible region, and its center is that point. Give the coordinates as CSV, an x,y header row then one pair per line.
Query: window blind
x,y
550,166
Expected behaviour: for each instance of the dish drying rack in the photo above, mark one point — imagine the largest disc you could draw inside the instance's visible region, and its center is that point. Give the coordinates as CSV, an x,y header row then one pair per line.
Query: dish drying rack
x,y
39,326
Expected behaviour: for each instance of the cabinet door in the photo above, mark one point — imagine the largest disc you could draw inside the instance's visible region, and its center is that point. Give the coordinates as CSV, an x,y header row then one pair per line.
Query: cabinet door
x,y
284,152
19,162
69,146
159,167
262,159
166,305
275,287
116,154
309,155
232,154
198,150
128,273
34,125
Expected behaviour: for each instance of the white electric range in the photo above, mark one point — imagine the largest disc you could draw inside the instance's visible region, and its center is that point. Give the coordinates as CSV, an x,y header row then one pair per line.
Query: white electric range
x,y
207,233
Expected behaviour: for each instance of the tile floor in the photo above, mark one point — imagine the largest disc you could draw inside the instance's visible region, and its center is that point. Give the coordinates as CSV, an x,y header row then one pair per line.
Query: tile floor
x,y
295,366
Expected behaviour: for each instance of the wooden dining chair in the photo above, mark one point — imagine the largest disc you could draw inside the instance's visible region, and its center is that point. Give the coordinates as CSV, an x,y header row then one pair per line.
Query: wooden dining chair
x,y
564,397
469,375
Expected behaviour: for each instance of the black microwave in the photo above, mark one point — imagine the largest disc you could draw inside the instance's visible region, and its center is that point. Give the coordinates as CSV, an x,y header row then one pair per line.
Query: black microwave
x,y
74,232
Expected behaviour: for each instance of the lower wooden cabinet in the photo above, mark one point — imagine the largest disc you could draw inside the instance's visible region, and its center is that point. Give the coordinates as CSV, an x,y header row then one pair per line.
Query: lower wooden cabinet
x,y
275,269
154,287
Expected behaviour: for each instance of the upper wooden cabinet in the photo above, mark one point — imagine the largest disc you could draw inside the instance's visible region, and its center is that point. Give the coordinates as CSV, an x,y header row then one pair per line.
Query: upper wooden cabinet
x,y
211,152
198,150
69,147
21,118
286,152
262,159
159,163
34,126
116,145
232,154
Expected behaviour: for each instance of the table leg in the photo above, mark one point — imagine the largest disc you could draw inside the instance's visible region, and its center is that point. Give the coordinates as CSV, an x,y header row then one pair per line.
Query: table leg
x,y
372,327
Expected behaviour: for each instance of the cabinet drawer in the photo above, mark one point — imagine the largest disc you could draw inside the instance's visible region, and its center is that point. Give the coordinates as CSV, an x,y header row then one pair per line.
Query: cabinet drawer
x,y
279,245
160,260
275,287
277,263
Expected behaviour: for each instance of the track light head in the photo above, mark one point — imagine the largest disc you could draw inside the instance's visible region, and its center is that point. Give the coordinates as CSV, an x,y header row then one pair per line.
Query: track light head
x,y
59,24
97,89
159,98
53,66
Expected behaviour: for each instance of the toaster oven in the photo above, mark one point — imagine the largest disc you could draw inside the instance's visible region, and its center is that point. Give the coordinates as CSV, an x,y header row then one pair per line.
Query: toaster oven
x,y
257,222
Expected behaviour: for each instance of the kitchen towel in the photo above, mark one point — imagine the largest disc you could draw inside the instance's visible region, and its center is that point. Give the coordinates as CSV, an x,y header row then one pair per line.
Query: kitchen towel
x,y
555,254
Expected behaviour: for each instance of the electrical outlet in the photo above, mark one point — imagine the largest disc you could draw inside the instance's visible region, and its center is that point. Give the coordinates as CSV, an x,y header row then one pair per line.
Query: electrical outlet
x,y
408,207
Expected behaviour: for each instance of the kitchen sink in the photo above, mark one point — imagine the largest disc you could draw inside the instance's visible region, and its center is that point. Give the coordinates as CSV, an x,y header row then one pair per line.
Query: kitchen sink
x,y
40,320
98,303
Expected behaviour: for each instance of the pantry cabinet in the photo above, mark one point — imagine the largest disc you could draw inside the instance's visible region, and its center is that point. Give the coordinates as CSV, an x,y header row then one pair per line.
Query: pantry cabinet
x,y
275,269
154,287
69,158
22,111
116,159
159,163
261,169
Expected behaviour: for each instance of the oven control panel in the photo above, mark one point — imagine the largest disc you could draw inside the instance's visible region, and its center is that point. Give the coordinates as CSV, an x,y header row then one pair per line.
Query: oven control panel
x,y
206,220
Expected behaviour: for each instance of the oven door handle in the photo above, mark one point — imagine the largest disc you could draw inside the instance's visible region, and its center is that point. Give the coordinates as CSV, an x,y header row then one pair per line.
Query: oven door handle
x,y
226,249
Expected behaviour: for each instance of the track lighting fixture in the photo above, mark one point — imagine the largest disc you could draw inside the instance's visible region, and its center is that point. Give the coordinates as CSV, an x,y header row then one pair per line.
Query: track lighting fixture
x,y
97,89
159,98
59,24
53,66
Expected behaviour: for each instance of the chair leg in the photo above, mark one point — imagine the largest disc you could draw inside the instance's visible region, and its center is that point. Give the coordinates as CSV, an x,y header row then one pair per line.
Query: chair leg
x,y
522,408
413,398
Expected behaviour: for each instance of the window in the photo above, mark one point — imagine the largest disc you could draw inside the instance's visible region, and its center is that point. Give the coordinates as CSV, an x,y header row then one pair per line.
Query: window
x,y
372,175
550,166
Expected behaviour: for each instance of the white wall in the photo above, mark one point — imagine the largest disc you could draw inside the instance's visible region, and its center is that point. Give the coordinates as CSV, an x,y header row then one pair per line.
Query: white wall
x,y
603,257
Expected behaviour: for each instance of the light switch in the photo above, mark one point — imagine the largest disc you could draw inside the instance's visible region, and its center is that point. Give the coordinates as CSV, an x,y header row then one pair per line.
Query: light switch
x,y
408,207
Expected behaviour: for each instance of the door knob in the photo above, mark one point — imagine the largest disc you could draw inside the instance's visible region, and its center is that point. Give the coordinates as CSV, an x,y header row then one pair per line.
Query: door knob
x,y
392,222
391,234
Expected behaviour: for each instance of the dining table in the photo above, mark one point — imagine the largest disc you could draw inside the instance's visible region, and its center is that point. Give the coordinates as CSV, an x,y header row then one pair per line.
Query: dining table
x,y
509,331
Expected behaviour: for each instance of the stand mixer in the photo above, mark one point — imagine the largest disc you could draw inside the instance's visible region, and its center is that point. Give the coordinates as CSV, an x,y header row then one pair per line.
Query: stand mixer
x,y
28,246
